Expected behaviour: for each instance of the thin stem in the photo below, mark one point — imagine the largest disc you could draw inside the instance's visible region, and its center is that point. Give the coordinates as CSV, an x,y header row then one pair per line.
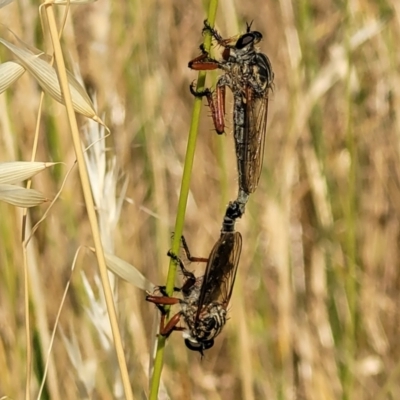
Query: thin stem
x,y
184,193
87,194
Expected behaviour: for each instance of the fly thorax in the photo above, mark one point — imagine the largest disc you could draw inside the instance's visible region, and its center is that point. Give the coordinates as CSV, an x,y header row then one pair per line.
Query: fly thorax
x,y
242,56
189,305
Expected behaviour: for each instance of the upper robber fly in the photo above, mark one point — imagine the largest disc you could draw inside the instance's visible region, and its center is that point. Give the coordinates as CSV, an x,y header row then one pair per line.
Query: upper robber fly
x,y
206,298
249,75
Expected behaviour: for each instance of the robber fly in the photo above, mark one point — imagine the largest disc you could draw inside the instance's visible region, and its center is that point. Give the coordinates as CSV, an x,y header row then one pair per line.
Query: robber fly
x,y
249,75
206,298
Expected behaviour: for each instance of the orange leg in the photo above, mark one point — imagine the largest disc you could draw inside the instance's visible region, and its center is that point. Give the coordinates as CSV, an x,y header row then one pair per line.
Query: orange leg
x,y
166,330
203,63
217,105
160,301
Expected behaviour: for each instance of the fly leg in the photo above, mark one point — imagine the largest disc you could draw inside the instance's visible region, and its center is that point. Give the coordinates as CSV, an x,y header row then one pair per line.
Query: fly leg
x,y
203,62
215,34
216,104
166,330
188,254
163,290
160,302
190,279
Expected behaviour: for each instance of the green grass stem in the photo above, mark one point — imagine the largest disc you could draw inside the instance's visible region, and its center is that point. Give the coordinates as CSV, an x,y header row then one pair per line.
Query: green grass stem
x,y
183,197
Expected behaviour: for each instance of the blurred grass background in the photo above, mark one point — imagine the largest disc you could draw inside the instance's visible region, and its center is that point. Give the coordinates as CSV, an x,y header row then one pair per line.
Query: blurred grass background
x,y
315,310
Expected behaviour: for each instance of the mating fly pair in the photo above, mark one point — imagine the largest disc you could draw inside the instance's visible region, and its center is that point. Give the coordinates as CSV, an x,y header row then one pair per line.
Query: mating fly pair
x,y
205,299
249,75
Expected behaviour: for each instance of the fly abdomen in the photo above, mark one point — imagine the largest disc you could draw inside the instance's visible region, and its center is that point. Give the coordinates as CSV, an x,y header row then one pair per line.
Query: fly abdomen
x,y
239,120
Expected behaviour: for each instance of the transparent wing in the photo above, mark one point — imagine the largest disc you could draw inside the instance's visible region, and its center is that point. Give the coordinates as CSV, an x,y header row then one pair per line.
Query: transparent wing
x,y
221,270
254,99
250,158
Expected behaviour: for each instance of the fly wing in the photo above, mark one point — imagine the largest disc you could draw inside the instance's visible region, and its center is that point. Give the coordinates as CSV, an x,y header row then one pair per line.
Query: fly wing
x,y
250,159
255,106
221,270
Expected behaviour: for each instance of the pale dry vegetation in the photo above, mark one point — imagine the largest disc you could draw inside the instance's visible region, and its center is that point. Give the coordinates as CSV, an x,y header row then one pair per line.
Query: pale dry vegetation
x,y
315,310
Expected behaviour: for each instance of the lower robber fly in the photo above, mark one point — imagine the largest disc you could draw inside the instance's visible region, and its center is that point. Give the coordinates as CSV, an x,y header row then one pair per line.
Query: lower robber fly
x,y
249,75
206,298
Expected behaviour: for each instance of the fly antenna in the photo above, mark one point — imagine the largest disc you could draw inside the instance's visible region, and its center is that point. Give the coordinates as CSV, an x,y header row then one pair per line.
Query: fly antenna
x,y
248,25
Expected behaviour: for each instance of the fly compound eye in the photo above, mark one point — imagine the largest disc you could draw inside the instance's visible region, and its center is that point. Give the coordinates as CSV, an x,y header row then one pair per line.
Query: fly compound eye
x,y
244,41
208,344
196,346
248,38
193,345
